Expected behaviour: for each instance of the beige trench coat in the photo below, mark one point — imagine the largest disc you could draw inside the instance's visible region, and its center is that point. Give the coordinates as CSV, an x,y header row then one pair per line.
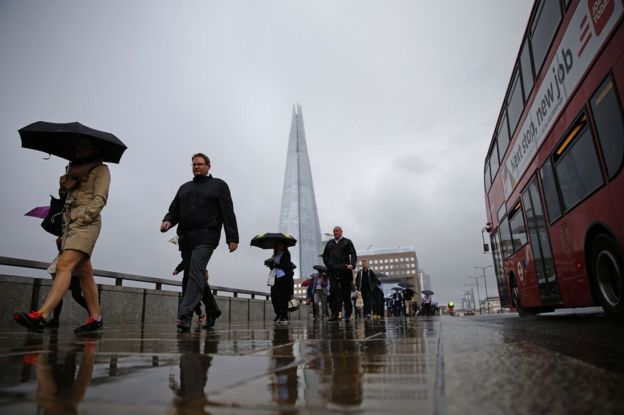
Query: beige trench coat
x,y
81,220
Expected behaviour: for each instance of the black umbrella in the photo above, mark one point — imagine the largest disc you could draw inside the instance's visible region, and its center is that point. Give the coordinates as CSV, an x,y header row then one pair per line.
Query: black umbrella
x,y
268,240
320,268
427,292
61,140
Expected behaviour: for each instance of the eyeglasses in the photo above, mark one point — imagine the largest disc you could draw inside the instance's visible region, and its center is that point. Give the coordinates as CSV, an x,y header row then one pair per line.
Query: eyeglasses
x,y
198,164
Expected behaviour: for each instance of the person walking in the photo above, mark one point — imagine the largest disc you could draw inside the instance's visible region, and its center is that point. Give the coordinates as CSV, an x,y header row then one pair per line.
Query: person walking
x,y
85,186
283,288
200,209
320,285
210,304
340,258
365,282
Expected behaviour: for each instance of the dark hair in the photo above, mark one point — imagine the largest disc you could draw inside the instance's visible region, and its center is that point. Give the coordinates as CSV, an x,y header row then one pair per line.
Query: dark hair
x,y
275,248
202,155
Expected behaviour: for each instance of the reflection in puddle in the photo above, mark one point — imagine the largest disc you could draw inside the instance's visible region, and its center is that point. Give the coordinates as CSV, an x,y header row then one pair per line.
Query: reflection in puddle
x,y
373,366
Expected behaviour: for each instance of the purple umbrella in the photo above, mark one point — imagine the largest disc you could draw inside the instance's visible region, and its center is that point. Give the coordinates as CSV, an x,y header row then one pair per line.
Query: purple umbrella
x,y
38,212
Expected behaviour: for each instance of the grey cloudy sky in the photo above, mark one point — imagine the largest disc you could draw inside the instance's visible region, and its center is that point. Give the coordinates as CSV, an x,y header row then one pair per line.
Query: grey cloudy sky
x,y
399,100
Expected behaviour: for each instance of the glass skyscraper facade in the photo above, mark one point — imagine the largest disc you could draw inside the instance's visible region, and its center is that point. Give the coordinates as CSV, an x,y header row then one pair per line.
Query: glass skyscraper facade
x,y
299,215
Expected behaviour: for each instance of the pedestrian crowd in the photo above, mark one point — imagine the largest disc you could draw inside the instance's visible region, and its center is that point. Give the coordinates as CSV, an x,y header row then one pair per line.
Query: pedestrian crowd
x,y
200,209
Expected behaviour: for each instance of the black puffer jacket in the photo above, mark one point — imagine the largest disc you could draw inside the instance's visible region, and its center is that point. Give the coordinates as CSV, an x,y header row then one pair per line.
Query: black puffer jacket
x,y
339,255
200,208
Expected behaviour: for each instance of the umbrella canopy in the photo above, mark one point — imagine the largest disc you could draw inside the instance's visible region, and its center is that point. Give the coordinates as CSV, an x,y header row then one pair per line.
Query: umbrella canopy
x,y
321,268
427,292
268,240
406,285
61,140
38,212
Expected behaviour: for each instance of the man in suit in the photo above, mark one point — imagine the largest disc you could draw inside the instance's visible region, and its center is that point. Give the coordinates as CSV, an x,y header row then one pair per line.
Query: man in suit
x,y
340,258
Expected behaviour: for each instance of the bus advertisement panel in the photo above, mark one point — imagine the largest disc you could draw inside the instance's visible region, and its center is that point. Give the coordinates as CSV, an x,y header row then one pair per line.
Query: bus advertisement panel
x,y
553,182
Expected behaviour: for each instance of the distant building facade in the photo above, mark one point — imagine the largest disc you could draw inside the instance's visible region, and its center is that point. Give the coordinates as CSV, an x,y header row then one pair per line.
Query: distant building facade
x,y
299,214
393,265
425,280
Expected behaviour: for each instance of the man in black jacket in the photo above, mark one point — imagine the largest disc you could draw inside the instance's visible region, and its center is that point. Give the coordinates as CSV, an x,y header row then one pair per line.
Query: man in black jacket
x,y
365,282
340,258
200,208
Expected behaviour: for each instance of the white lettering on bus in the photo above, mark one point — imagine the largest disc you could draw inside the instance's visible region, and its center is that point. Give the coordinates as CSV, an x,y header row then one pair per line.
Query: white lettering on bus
x,y
598,9
562,77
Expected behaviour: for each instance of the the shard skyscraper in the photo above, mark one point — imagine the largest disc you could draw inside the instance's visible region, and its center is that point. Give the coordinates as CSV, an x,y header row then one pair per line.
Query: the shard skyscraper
x,y
299,215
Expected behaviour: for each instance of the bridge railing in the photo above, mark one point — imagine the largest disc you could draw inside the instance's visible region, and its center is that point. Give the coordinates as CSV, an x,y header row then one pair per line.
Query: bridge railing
x,y
120,277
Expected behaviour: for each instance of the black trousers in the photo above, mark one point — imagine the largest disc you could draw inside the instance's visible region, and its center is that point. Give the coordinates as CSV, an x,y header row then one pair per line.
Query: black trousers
x,y
281,292
340,286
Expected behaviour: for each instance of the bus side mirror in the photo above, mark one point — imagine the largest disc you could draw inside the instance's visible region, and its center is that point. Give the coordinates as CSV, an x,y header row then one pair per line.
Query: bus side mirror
x,y
486,247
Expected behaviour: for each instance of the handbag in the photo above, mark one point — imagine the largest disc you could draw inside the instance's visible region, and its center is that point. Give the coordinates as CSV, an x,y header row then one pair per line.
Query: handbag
x,y
271,277
52,223
292,305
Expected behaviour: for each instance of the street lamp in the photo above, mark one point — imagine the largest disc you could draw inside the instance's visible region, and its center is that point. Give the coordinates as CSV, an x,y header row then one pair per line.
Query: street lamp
x,y
478,295
487,301
470,295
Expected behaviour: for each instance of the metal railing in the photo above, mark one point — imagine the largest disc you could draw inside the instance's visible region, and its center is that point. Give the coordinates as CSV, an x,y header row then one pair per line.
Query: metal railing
x,y
119,277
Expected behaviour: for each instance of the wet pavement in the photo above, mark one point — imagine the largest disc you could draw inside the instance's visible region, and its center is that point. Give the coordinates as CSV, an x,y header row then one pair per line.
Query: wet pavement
x,y
432,365
299,367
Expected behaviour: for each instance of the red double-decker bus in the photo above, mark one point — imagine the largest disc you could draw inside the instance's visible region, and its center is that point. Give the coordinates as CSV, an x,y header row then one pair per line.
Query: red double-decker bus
x,y
553,173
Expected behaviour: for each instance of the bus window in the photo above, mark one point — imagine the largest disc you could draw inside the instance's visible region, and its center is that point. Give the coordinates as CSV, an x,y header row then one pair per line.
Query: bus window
x,y
498,267
526,69
487,178
501,212
538,233
502,133
505,238
494,160
553,207
518,231
543,30
577,168
515,103
607,116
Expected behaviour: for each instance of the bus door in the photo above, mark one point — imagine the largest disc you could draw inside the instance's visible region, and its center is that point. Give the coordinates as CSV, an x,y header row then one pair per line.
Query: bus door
x,y
540,244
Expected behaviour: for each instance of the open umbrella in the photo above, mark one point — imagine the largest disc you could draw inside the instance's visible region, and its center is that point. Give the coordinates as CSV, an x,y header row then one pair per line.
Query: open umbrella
x,y
38,212
320,268
60,139
406,285
268,240
427,292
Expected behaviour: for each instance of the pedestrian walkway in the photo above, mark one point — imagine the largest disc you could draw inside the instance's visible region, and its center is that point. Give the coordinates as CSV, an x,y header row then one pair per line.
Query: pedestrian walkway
x,y
386,366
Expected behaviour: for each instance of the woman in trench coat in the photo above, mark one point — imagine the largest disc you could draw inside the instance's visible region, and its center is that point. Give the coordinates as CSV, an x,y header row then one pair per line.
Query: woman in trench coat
x,y
85,185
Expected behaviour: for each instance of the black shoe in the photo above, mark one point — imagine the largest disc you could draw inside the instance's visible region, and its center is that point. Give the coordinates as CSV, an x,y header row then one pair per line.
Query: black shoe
x,y
334,318
33,321
210,322
52,323
183,329
276,318
90,326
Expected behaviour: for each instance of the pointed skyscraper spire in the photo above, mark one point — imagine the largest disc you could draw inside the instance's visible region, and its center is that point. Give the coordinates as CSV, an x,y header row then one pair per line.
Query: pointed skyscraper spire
x,y
299,215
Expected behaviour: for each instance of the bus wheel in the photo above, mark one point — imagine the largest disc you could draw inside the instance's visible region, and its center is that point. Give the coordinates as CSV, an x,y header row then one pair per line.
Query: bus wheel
x,y
515,299
607,270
